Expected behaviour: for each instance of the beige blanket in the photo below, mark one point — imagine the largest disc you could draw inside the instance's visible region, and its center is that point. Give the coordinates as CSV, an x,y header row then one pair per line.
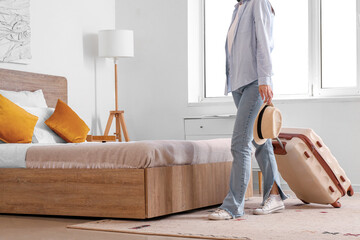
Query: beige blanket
x,y
142,154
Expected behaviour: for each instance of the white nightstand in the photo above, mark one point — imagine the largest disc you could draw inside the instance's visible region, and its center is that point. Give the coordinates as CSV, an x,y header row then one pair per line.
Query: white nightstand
x,y
218,126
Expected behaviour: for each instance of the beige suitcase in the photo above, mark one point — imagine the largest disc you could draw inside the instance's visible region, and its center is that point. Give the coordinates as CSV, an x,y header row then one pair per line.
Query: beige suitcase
x,y
309,168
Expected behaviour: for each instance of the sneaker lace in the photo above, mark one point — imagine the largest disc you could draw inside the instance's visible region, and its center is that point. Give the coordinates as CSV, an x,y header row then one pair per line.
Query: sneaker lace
x,y
267,203
218,210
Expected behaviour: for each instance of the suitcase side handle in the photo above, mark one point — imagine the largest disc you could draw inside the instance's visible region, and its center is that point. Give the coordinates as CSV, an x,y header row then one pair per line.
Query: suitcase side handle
x,y
321,160
278,150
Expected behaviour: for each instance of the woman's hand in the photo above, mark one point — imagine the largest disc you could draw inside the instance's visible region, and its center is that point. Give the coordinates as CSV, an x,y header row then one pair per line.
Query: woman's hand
x,y
266,93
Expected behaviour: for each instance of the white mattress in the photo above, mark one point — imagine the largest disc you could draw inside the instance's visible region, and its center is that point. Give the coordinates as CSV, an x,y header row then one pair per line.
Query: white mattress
x,y
13,155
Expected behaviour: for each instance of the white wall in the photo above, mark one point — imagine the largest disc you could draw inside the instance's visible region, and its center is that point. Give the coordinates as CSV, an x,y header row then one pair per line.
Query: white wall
x,y
154,86
64,43
153,83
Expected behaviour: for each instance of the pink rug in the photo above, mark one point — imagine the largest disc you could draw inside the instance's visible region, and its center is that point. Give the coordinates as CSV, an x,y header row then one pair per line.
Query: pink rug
x,y
298,221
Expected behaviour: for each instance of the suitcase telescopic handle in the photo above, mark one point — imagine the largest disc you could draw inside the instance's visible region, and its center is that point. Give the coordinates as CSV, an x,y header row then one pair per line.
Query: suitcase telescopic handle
x,y
315,152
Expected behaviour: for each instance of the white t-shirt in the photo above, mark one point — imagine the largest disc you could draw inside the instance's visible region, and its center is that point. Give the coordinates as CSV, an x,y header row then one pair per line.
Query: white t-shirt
x,y
233,27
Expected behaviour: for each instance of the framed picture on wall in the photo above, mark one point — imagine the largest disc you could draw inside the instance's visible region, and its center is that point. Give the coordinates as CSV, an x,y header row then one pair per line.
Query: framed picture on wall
x,y
15,31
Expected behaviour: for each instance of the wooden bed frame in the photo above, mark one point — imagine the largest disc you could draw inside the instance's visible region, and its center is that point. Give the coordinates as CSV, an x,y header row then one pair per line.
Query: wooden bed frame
x,y
110,193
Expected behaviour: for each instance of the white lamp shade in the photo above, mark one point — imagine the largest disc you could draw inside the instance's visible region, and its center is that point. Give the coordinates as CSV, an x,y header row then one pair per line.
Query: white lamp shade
x,y
116,43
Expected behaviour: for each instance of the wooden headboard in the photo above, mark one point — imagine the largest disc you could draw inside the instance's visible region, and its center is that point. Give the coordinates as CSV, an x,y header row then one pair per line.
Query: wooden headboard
x,y
54,87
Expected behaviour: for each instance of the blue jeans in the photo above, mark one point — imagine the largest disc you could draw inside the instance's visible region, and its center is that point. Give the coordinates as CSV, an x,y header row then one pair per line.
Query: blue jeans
x,y
248,102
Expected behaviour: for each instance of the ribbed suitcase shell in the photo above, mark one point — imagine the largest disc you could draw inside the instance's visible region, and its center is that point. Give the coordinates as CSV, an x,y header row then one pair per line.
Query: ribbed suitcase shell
x,y
309,168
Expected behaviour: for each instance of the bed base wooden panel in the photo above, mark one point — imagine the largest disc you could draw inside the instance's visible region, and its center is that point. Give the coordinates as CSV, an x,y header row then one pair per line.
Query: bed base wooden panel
x,y
181,188
73,192
114,193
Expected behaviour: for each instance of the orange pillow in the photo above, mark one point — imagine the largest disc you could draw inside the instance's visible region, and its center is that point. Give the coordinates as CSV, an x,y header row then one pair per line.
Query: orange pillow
x,y
16,124
67,124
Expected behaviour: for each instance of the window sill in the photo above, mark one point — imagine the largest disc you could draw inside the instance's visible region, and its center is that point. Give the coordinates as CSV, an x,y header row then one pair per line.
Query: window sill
x,y
215,101
307,99
279,100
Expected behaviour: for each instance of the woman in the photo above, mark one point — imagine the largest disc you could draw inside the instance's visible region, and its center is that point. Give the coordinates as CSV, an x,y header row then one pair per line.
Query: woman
x,y
249,70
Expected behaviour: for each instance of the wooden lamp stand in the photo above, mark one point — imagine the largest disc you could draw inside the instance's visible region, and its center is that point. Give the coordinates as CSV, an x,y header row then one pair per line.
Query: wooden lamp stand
x,y
118,114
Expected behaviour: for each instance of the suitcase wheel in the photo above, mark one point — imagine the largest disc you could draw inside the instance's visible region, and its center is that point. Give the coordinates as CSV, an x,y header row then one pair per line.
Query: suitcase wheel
x,y
305,202
336,204
350,191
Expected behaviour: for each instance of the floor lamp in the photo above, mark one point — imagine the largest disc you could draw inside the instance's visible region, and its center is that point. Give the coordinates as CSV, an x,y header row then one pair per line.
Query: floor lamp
x,y
116,44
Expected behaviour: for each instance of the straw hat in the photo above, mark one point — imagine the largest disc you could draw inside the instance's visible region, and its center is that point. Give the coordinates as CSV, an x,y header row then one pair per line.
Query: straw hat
x,y
267,123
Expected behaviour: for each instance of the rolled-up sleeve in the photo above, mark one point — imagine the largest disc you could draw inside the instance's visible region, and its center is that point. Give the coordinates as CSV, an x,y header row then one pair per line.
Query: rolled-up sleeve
x,y
263,18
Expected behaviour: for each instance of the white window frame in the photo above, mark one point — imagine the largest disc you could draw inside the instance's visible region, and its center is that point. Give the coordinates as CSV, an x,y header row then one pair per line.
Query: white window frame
x,y
318,91
197,66
196,55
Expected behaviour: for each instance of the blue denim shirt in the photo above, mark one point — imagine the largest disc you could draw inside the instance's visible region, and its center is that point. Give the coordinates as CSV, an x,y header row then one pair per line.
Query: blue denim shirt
x,y
250,57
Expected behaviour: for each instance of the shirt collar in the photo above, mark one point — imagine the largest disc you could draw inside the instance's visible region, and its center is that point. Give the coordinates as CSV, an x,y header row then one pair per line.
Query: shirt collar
x,y
241,2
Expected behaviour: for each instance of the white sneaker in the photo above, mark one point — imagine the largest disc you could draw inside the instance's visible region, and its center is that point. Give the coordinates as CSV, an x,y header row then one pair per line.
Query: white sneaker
x,y
273,204
220,214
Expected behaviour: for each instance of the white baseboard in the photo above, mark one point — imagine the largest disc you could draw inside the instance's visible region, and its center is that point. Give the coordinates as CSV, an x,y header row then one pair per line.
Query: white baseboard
x,y
356,187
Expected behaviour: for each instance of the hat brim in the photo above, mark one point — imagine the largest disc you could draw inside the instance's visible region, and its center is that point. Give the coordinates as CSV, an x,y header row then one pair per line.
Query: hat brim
x,y
259,141
255,131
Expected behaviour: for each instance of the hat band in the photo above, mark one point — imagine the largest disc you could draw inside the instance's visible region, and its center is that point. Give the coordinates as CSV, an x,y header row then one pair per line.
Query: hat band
x,y
259,122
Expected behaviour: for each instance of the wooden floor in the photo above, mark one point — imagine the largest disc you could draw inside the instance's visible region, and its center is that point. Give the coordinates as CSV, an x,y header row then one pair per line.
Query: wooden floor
x,y
15,227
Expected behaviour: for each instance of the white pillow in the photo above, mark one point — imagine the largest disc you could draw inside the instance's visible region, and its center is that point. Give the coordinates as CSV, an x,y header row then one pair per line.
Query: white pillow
x,y
26,98
42,133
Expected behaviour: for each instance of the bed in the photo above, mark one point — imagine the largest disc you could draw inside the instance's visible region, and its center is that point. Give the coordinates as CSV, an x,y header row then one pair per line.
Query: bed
x,y
105,192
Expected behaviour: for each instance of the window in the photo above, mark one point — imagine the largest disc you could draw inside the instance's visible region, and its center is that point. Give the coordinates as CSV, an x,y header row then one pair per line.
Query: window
x,y
339,45
291,47
315,54
215,35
